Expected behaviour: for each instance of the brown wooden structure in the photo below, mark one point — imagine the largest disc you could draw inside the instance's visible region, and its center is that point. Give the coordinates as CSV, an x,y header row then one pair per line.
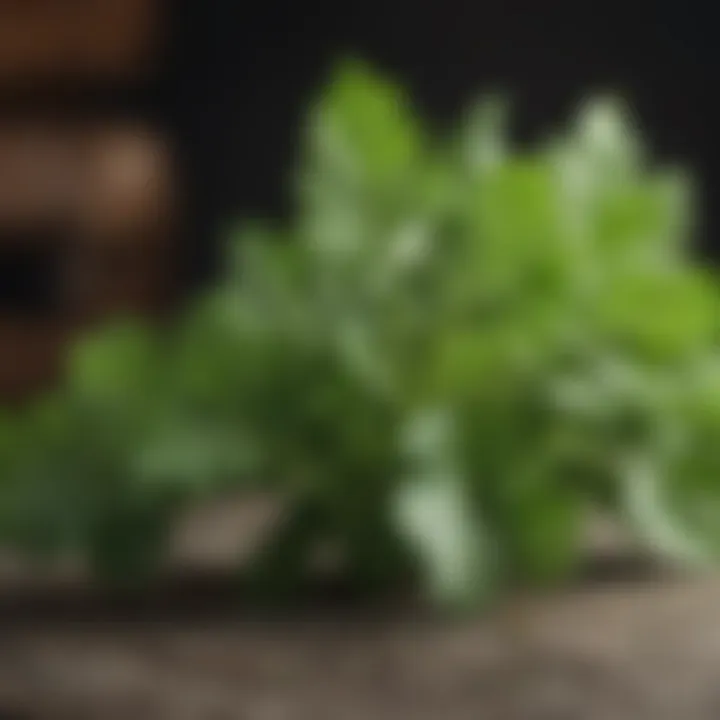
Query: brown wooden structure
x,y
87,200
55,40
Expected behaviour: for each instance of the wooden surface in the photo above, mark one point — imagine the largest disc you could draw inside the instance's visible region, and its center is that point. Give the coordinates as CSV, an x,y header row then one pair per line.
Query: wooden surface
x,y
621,654
632,648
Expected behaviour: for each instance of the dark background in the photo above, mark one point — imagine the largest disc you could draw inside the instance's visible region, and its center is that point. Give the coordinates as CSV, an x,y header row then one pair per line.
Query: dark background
x,y
243,72
237,76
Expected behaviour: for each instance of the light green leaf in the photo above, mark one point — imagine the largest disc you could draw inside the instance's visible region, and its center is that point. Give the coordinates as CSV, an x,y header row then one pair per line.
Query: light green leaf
x,y
484,135
433,513
650,511
608,136
197,456
363,130
118,364
684,316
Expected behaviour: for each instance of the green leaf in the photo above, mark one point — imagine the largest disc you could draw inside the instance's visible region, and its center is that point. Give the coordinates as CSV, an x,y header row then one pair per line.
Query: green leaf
x,y
653,515
197,457
684,316
608,136
519,231
645,222
434,512
118,364
363,129
483,135
543,524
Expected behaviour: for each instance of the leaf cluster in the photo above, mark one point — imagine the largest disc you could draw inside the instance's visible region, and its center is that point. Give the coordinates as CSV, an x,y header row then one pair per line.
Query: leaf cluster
x,y
451,353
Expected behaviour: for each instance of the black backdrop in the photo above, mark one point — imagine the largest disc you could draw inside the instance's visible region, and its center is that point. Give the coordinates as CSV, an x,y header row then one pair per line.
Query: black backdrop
x,y
238,75
244,71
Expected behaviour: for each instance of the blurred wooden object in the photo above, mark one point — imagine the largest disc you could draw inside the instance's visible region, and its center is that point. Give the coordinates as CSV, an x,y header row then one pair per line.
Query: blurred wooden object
x,y
86,208
122,259
31,356
58,40
87,215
